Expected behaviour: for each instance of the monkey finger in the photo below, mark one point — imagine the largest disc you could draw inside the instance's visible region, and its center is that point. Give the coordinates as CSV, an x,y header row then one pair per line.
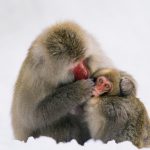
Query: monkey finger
x,y
95,92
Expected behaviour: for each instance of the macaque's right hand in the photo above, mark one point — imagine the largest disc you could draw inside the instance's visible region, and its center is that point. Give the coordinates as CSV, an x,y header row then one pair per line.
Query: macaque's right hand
x,y
85,89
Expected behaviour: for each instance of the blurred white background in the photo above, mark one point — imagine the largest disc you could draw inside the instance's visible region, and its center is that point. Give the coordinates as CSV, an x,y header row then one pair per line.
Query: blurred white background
x,y
121,26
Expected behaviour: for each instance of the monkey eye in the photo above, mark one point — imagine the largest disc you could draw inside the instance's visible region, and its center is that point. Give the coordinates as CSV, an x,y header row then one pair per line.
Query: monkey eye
x,y
107,86
100,80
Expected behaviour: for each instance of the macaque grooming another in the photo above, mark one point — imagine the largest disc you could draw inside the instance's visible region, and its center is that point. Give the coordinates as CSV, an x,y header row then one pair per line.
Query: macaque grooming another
x,y
54,81
112,115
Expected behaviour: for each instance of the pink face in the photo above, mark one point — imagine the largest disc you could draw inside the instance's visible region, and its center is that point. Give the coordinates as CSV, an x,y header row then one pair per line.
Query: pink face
x,y
102,85
80,71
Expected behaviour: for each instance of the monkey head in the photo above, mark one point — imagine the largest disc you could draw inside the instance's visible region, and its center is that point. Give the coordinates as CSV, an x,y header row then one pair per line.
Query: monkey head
x,y
66,44
107,81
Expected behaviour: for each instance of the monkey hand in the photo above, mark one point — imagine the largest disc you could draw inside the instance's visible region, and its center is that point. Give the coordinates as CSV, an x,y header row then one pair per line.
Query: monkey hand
x,y
85,88
127,87
95,92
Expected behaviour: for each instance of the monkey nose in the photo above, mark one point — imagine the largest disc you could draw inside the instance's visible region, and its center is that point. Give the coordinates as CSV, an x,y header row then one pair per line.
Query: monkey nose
x,y
103,84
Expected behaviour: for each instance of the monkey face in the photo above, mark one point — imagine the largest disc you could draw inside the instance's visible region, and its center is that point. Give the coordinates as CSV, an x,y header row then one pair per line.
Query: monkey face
x,y
102,85
66,46
107,81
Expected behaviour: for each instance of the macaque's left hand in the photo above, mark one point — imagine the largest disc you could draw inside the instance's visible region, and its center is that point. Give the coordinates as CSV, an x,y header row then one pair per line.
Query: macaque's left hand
x,y
127,86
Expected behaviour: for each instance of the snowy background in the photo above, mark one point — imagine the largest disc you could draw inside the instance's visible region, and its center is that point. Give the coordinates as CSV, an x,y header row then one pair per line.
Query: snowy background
x,y
121,26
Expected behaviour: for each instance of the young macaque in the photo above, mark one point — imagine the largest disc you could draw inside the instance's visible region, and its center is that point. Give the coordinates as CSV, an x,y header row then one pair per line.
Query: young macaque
x,y
112,115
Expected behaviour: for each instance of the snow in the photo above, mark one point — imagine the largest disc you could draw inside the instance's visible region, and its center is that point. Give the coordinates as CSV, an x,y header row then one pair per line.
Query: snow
x,y
47,143
122,28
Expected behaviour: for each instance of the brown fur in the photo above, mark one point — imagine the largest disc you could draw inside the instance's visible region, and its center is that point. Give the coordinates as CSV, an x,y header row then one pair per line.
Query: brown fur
x,y
119,117
45,91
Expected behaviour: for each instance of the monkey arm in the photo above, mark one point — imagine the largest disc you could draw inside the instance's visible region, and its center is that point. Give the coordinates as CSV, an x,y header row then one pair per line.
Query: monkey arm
x,y
116,111
127,120
116,108
65,98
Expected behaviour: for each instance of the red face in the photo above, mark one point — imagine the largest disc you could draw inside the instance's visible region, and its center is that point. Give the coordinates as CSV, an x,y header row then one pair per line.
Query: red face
x,y
102,85
81,71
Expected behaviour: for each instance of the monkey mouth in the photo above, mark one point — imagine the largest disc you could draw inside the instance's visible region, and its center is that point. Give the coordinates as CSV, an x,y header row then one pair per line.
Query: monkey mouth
x,y
81,71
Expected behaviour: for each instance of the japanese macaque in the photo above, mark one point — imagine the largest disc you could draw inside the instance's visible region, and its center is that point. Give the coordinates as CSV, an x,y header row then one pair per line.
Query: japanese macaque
x,y
112,115
53,81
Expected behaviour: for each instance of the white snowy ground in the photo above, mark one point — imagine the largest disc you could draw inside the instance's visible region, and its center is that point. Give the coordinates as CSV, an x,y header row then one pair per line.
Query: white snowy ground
x,y
121,26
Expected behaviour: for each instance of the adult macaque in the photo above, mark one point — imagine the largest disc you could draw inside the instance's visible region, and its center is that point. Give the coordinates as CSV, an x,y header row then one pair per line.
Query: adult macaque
x,y
113,116
53,81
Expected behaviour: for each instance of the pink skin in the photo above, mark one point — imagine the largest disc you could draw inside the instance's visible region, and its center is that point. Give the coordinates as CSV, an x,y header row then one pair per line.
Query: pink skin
x,y
80,71
102,85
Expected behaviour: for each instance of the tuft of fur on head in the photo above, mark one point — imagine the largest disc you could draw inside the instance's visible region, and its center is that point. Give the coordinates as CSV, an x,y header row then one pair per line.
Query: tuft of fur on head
x,y
65,40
